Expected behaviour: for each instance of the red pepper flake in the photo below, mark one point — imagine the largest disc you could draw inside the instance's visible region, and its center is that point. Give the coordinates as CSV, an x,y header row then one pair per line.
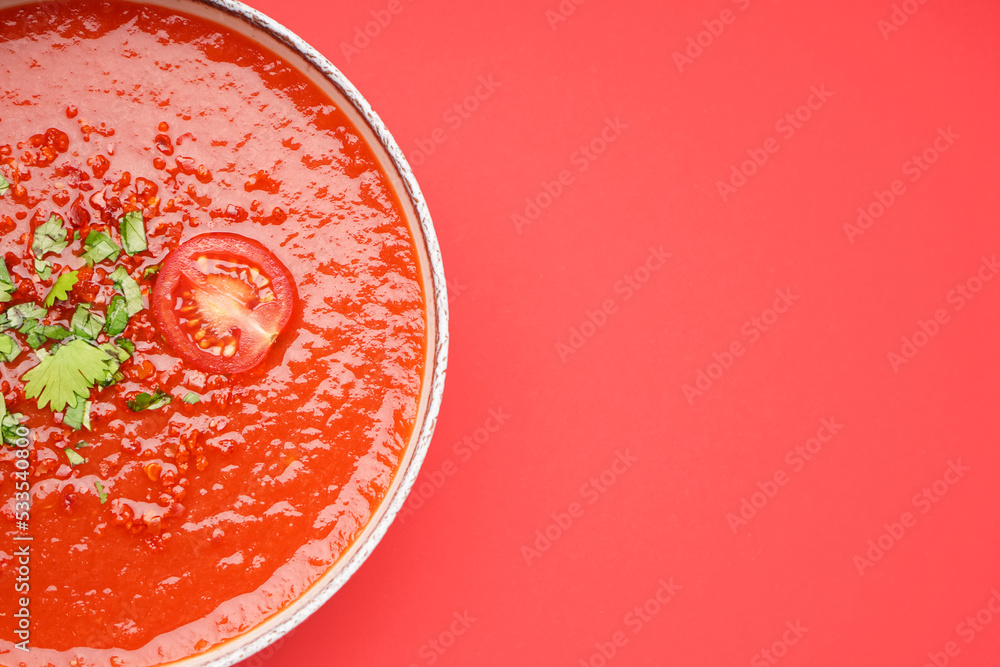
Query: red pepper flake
x,y
262,181
99,165
163,144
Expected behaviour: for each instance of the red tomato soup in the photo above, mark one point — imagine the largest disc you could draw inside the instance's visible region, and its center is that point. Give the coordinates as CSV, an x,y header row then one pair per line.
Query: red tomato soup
x,y
213,334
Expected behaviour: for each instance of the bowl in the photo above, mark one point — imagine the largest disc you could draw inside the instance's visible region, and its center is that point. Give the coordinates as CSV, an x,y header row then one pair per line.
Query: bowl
x,y
302,57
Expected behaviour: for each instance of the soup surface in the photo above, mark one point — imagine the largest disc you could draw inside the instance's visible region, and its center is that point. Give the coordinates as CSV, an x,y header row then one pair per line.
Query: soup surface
x,y
202,443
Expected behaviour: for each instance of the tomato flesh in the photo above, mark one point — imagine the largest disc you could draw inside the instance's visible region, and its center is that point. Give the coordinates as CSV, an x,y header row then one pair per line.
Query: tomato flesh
x,y
221,301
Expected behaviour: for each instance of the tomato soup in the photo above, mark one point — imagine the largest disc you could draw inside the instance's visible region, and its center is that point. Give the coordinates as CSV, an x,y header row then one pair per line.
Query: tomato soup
x,y
213,336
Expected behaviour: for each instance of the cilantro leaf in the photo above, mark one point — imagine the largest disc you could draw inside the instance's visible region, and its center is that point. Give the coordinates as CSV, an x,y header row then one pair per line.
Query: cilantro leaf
x,y
50,236
191,398
100,492
9,349
126,345
55,332
38,333
66,375
7,287
151,271
60,290
4,185
146,401
85,323
43,269
117,354
29,310
29,325
133,231
14,317
74,458
129,288
117,316
9,426
99,247
120,351
35,340
78,416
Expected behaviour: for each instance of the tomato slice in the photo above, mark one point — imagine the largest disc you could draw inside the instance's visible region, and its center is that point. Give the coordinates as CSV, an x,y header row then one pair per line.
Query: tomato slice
x,y
221,301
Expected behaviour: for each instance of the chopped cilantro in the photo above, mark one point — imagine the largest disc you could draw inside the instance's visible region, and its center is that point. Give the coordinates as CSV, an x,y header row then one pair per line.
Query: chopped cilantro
x,y
99,247
116,355
9,349
100,492
50,236
117,316
37,333
85,323
191,398
28,310
29,325
35,340
7,287
43,269
146,401
126,345
129,288
9,426
4,185
74,458
121,349
81,444
150,271
78,416
60,290
66,375
14,317
133,231
55,332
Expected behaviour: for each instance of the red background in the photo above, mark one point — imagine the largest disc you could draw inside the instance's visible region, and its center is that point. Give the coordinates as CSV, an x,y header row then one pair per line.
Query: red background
x,y
518,293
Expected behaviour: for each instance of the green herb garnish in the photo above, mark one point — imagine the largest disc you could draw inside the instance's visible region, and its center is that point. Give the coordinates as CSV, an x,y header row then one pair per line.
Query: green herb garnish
x,y
61,288
191,398
100,492
7,287
50,236
9,349
78,416
127,345
133,231
43,269
74,458
99,247
146,401
129,288
66,375
37,334
9,425
117,316
85,323
4,185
